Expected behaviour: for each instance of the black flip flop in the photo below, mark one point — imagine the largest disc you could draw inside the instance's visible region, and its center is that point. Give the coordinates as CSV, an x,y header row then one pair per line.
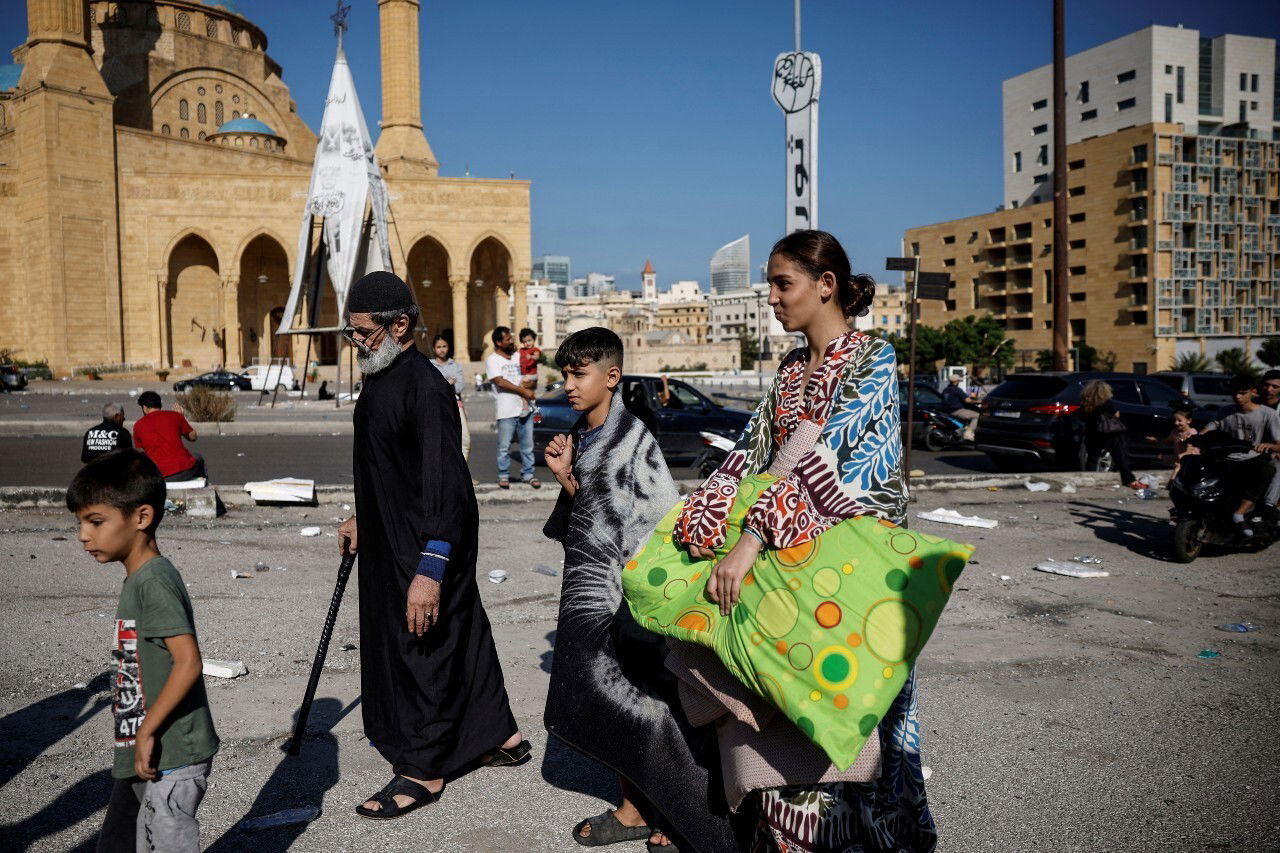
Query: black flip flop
x,y
607,829
658,848
508,757
390,809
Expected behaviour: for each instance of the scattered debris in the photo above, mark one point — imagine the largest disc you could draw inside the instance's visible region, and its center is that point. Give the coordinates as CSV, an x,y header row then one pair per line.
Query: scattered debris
x,y
1071,570
943,515
261,567
79,685
348,647
1068,489
1006,577
310,531
1146,494
545,570
925,773
1238,627
917,472
1151,481
302,814
1087,559
993,488
225,668
236,575
283,490
1209,654
497,576
1035,487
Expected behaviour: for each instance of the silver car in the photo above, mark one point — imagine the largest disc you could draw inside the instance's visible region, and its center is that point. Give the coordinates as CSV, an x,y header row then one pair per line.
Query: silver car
x,y
1210,390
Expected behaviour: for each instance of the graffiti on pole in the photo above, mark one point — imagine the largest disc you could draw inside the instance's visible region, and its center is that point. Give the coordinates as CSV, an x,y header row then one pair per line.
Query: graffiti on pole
x,y
797,80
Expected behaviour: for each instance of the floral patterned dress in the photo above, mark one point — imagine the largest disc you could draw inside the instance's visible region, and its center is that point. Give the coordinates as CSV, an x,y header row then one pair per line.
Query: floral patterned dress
x,y
854,468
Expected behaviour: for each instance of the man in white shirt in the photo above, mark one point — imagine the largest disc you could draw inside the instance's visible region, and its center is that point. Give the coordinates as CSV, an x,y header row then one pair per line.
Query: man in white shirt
x,y
512,415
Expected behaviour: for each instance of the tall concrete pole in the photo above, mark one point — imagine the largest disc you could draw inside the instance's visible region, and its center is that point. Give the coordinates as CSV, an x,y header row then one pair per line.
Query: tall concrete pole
x,y
797,26
1061,320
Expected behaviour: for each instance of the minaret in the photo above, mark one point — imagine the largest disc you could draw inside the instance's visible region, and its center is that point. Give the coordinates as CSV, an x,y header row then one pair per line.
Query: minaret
x,y
66,190
402,147
649,282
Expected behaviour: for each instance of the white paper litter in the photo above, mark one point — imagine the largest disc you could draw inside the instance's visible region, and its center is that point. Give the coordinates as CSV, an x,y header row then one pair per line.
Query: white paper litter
x,y
283,490
310,531
182,485
225,668
497,576
950,516
1071,570
1036,487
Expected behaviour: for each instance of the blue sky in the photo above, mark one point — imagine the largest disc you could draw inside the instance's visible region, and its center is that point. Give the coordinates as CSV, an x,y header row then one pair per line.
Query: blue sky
x,y
647,126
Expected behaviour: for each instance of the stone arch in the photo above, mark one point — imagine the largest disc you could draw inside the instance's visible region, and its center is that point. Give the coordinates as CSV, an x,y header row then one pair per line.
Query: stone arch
x,y
193,310
488,292
428,275
262,290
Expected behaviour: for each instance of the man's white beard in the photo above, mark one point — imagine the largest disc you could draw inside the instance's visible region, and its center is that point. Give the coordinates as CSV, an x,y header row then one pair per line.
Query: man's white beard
x,y
376,361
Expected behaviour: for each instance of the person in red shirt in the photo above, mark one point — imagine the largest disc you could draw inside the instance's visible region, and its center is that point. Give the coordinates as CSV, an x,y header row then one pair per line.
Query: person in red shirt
x,y
159,434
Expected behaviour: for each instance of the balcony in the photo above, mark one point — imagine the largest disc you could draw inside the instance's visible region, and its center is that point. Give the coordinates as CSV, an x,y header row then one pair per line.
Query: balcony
x,y
1139,302
1137,273
1137,217
1019,262
1138,247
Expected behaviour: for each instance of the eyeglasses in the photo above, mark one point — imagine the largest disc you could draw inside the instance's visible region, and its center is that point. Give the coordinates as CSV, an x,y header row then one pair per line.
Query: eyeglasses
x,y
350,332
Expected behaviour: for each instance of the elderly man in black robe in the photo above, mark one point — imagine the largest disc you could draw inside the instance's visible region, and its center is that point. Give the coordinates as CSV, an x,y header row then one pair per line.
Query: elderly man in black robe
x,y
434,701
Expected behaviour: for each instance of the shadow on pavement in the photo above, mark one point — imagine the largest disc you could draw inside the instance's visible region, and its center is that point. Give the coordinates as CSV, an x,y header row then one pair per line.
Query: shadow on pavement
x,y
565,768
27,733
550,653
73,805
297,781
1141,534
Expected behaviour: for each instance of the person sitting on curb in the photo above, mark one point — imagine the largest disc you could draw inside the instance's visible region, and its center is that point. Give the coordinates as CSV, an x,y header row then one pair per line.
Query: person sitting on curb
x,y
107,436
159,434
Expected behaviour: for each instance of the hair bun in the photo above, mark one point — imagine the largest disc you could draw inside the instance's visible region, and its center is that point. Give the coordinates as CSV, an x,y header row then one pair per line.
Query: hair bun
x,y
861,291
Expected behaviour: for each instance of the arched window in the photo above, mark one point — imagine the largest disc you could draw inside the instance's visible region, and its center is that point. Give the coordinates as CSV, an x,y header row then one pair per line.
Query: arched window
x,y
1,115
254,141
184,22
164,128
217,113
235,99
184,133
184,110
235,35
202,115
200,136
211,28
235,114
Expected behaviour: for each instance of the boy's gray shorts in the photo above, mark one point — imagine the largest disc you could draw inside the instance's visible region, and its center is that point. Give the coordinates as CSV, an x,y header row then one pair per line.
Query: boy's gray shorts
x,y
156,816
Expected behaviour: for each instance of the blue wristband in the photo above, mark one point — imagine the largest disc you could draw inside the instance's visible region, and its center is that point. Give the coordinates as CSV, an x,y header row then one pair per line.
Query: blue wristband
x,y
434,560
755,533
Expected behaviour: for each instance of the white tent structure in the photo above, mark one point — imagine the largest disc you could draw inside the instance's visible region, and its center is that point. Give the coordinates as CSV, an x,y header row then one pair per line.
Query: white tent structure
x,y
348,195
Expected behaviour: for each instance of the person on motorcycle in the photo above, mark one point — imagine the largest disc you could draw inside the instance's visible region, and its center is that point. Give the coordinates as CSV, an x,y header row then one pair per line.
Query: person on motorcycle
x,y
1269,395
956,402
1251,470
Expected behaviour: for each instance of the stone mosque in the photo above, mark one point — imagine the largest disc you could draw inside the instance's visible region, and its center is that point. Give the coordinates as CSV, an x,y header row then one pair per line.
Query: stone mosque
x,y
153,172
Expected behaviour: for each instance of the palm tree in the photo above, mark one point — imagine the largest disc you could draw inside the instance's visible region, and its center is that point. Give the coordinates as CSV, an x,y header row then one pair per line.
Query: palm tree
x,y
1191,362
1237,362
1269,352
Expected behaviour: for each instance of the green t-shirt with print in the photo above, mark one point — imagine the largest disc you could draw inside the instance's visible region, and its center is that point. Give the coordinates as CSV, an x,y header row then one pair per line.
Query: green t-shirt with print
x,y
154,605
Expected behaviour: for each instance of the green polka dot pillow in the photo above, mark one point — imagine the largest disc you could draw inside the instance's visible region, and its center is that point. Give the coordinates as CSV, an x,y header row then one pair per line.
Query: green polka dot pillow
x,y
826,631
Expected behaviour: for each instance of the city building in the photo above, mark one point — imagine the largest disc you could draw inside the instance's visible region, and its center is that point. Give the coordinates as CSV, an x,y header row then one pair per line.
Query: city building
x,y
683,291
598,283
556,269
153,168
648,283
1174,247
888,310
689,318
1221,86
547,314
731,266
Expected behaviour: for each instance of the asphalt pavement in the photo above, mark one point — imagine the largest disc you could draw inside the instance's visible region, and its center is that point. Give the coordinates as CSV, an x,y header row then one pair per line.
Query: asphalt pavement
x,y
1058,714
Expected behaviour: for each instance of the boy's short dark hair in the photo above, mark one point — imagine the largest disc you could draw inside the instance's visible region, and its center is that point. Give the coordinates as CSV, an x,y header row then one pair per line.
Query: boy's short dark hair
x,y
596,345
125,479
498,333
1271,374
150,400
526,332
1242,383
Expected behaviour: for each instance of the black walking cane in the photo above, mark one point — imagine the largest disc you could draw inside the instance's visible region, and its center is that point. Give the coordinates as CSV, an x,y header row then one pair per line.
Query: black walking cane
x,y
322,650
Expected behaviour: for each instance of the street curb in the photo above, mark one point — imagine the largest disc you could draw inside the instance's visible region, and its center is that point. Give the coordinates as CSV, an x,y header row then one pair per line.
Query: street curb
x,y
66,429
46,497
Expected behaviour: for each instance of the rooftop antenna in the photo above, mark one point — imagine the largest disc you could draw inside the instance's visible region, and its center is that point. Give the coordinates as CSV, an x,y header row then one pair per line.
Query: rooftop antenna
x,y
339,19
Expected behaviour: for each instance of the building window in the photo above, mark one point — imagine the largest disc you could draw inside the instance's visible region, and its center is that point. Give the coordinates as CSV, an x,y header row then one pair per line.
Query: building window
x,y
1076,271
235,35
1140,368
1075,217
1082,96
1244,112
1168,69
164,128
211,28
200,136
1244,82
1088,114
1126,104
1017,161
915,250
184,111
235,114
184,133
1075,191
1075,164
949,239
235,99
1126,76
1253,82
184,22
1040,179
1253,105
1168,108
1182,81
1039,129
1075,244
949,262
1043,156
217,113
1138,154
1039,105
202,115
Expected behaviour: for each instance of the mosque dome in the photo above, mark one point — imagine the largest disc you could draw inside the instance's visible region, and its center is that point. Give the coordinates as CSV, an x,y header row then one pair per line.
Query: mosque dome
x,y
246,125
9,75
247,132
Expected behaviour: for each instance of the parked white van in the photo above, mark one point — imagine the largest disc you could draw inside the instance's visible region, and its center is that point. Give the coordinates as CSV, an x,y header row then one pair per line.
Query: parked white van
x,y
265,377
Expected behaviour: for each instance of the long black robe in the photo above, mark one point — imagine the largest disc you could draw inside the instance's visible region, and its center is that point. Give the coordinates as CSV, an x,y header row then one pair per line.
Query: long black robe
x,y
432,704
611,696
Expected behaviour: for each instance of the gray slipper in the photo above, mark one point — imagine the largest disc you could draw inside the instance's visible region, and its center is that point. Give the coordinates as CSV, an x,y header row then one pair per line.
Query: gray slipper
x,y
607,829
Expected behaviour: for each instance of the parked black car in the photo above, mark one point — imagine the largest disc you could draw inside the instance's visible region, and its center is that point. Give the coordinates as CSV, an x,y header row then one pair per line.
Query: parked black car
x,y
12,378
221,380
679,423
1030,418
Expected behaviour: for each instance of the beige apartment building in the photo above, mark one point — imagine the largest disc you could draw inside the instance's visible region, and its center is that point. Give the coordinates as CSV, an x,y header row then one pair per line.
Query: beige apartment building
x,y
153,169
1174,247
888,310
689,318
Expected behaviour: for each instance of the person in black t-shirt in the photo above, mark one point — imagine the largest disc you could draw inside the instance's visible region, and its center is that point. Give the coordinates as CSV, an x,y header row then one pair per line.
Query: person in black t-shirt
x,y
107,436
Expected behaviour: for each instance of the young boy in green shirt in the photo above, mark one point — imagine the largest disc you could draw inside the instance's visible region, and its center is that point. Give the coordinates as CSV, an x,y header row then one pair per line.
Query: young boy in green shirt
x,y
164,736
